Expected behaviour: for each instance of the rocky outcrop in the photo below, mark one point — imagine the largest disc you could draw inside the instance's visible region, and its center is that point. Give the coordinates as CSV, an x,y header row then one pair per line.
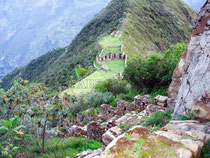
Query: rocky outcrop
x,y
190,87
189,129
140,142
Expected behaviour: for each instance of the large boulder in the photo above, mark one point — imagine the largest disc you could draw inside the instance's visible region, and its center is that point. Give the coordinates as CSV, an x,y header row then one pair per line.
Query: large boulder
x,y
190,129
140,142
190,87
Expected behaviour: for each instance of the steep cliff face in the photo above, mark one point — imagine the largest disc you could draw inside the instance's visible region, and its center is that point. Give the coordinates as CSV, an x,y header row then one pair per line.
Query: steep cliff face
x,y
190,88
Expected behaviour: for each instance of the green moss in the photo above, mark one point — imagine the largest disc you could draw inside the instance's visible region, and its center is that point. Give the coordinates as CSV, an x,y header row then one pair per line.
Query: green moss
x,y
143,143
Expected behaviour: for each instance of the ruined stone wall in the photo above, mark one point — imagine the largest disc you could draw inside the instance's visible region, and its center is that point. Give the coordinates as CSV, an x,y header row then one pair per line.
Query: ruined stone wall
x,y
123,107
113,56
190,87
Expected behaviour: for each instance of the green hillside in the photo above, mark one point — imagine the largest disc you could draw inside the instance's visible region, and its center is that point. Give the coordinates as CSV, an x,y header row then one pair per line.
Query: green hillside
x,y
88,83
147,26
152,26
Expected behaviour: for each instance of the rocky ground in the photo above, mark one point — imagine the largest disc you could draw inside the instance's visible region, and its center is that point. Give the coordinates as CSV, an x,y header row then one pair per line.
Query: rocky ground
x,y
176,139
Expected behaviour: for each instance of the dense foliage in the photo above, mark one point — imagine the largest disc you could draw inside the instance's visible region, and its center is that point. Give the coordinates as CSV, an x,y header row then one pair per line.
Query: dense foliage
x,y
115,86
29,115
154,72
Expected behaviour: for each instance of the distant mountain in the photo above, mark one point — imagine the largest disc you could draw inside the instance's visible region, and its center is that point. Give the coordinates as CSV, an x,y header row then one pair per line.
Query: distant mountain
x,y
30,28
147,26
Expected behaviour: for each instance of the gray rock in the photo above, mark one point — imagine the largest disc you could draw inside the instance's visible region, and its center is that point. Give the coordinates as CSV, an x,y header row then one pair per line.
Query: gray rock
x,y
190,87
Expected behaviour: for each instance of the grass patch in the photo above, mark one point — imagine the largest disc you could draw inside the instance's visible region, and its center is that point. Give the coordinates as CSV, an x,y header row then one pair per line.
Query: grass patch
x,y
109,41
65,147
87,84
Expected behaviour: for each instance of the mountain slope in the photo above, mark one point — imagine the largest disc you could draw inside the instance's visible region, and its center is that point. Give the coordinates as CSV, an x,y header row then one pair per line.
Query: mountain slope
x,y
152,26
29,29
132,17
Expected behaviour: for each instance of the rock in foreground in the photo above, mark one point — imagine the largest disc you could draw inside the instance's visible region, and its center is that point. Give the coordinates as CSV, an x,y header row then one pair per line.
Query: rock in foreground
x,y
140,142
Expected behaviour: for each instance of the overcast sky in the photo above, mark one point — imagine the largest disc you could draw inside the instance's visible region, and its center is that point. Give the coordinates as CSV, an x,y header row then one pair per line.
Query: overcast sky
x,y
195,4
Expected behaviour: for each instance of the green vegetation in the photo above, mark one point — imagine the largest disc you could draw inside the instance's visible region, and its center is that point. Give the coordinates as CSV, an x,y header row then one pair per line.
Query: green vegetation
x,y
98,66
191,115
124,128
154,72
58,147
147,27
159,118
88,83
205,152
110,41
77,70
112,85
56,68
28,119
153,26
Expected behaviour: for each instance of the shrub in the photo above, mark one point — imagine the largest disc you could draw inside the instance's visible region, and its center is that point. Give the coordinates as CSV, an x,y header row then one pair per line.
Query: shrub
x,y
190,115
205,152
155,71
159,118
115,86
124,128
92,99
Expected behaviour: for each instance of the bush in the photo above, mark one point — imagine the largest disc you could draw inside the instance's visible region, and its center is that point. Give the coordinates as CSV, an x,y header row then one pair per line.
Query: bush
x,y
92,99
159,118
124,128
205,152
191,115
115,86
155,71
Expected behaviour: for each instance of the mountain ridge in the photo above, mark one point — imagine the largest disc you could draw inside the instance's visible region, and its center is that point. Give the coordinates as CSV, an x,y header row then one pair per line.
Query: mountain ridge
x,y
56,68
32,28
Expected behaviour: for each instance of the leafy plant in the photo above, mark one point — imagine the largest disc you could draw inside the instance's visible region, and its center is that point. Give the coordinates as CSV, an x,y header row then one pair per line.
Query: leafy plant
x,y
29,104
205,152
154,72
190,115
11,134
159,118
115,86
124,128
128,136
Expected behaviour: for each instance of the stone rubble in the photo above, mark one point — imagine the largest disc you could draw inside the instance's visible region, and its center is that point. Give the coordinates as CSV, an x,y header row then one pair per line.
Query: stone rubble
x,y
161,100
